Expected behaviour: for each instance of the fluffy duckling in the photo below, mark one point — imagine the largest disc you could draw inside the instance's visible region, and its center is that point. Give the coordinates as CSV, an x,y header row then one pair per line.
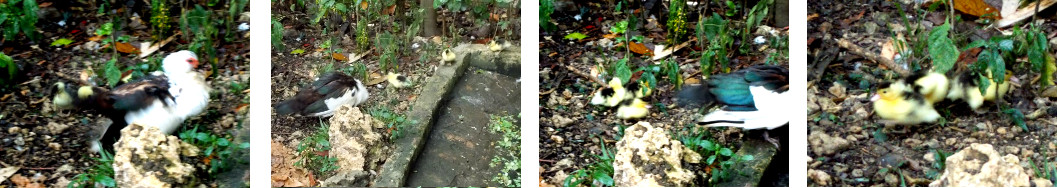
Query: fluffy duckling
x,y
447,57
967,87
896,103
933,86
638,89
632,109
63,98
612,95
397,80
495,46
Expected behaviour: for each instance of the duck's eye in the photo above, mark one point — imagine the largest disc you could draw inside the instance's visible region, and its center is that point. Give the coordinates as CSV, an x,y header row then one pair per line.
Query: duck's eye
x,y
190,61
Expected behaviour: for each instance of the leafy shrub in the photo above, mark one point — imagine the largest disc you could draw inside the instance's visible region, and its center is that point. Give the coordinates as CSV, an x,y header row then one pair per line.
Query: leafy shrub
x,y
19,16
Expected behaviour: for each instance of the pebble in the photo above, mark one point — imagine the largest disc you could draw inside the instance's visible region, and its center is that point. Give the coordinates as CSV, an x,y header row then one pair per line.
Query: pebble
x,y
557,139
910,142
13,130
981,126
1001,131
856,173
840,167
855,129
55,146
892,180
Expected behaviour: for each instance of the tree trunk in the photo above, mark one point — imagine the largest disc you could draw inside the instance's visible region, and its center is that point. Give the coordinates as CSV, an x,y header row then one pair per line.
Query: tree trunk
x,y
429,19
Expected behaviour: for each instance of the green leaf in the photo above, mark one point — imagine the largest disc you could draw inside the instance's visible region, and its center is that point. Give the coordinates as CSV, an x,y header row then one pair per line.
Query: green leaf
x,y
942,49
575,36
106,181
603,178
1017,117
61,42
105,29
726,152
297,51
747,158
112,73
710,159
620,27
622,71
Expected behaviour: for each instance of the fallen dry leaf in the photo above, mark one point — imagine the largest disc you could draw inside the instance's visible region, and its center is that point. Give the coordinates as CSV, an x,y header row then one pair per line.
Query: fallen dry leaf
x,y
389,10
977,8
126,48
853,18
812,16
339,57
639,48
610,36
96,38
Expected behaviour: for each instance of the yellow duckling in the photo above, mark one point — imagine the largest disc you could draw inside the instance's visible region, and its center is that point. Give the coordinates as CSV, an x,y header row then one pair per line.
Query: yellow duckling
x,y
397,80
62,98
494,46
632,109
638,89
610,96
967,87
933,86
447,57
898,104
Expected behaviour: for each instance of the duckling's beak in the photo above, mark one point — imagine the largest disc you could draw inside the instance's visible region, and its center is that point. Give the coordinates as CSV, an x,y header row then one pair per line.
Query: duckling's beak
x,y
875,97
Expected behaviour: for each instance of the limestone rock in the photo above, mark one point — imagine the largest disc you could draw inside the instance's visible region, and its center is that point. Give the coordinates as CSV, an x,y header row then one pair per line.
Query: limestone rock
x,y
146,157
981,166
646,156
823,144
820,177
357,146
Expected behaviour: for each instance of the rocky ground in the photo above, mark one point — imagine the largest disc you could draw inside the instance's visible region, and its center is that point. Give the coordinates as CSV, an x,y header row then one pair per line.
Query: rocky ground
x,y
418,60
50,146
848,145
572,132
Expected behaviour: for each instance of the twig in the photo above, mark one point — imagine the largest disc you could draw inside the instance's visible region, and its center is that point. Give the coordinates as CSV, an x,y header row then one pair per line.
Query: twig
x,y
70,78
549,161
855,49
38,168
585,75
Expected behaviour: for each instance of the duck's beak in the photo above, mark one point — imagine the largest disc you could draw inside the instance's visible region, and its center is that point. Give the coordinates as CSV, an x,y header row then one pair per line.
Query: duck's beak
x,y
875,97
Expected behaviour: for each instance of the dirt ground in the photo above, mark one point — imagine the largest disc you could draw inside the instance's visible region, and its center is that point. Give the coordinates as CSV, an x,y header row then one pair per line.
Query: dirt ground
x,y
565,95
52,144
878,157
292,71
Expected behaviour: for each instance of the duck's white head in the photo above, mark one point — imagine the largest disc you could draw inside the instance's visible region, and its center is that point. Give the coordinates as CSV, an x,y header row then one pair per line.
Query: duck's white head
x,y
179,62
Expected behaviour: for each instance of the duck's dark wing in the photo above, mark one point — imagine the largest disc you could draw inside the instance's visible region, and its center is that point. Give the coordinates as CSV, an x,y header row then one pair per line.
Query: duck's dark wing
x,y
140,94
312,99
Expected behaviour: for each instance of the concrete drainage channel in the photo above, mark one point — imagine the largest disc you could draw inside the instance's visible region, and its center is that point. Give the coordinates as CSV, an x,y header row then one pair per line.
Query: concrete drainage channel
x,y
451,145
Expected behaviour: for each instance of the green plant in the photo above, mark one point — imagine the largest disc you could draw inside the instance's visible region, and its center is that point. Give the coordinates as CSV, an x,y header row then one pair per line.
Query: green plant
x,y
716,29
722,157
621,70
314,148
940,165
19,16
942,49
102,173
199,27
12,69
731,8
277,35
112,72
600,171
545,10
159,19
386,43
234,8
218,151
326,6
754,17
394,123
671,70
510,151
677,26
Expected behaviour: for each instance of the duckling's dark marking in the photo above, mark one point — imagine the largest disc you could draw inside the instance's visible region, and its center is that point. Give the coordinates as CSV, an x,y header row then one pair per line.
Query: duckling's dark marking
x,y
607,92
633,86
402,78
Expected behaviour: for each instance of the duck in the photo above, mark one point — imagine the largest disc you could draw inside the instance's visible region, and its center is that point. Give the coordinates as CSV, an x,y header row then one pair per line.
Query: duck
x,y
933,86
324,96
966,87
162,99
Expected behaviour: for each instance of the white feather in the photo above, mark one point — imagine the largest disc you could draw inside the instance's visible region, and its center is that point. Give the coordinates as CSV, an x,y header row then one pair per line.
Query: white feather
x,y
772,111
353,97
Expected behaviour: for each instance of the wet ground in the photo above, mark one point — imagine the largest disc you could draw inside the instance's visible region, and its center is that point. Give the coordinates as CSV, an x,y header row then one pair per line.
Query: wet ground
x,y
459,147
